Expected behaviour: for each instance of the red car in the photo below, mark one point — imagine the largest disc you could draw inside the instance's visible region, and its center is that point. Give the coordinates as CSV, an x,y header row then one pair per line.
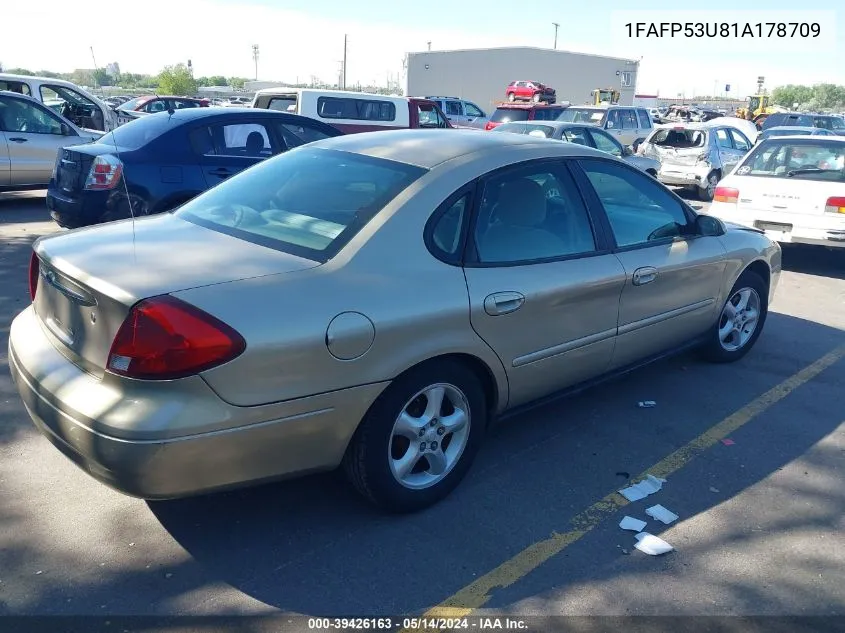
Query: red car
x,y
530,91
155,103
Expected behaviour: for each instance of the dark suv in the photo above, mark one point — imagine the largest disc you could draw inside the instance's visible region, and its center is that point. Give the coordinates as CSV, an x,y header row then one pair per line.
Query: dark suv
x,y
508,112
781,119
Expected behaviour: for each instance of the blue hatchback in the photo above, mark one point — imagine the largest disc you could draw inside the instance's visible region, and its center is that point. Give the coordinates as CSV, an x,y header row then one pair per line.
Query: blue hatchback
x,y
161,161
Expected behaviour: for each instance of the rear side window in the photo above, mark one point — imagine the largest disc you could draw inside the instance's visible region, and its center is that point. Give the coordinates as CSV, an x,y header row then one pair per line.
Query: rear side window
x,y
308,202
453,108
249,140
628,119
15,86
547,114
805,160
356,109
723,140
296,134
503,115
645,119
282,104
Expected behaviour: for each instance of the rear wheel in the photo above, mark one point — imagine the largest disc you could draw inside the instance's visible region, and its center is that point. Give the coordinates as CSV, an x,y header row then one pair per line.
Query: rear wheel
x,y
740,321
537,97
707,192
419,439
511,97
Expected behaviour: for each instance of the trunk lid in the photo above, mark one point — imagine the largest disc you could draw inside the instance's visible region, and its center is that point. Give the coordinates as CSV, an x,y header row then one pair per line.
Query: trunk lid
x,y
806,198
678,146
90,278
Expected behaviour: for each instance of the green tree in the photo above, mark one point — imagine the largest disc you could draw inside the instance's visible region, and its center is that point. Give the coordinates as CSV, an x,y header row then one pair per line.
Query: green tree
x,y
177,80
19,71
101,77
217,80
236,82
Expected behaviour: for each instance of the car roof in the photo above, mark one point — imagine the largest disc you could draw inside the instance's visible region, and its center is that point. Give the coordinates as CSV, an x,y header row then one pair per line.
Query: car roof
x,y
815,138
531,106
429,148
792,127
190,114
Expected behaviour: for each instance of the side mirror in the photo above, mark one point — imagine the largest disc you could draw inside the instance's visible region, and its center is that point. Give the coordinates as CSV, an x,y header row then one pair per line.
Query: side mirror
x,y
609,125
67,130
627,151
707,225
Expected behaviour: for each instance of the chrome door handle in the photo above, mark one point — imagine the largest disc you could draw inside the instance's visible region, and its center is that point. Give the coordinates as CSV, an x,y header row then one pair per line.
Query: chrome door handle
x,y
644,275
17,139
503,303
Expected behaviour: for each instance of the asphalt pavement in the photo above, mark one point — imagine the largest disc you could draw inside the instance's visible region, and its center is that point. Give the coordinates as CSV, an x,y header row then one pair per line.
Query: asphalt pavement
x,y
753,455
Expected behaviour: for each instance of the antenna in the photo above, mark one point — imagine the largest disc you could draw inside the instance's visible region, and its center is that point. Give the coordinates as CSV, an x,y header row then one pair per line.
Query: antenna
x,y
96,68
255,59
125,185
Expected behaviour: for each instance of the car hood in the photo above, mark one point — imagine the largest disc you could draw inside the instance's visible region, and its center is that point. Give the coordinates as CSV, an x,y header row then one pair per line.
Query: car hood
x,y
132,260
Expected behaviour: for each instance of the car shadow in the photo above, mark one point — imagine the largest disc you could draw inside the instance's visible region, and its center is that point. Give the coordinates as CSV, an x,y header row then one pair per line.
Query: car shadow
x,y
23,206
311,546
814,260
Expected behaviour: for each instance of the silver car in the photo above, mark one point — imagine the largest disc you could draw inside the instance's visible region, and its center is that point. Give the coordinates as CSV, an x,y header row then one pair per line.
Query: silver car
x,y
374,301
31,134
461,113
579,134
696,155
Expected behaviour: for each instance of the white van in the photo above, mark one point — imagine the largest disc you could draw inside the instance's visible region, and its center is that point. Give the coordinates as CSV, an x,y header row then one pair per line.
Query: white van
x,y
353,111
82,108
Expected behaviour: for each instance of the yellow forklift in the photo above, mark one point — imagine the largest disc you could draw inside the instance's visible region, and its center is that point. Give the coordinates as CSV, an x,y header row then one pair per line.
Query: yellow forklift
x,y
605,96
758,107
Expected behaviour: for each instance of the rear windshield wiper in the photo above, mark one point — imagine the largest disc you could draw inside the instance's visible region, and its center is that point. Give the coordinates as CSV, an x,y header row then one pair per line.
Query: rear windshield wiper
x,y
810,170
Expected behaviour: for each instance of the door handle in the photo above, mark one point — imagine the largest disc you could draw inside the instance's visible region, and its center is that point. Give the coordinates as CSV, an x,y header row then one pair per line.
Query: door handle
x,y
222,172
503,303
644,275
17,139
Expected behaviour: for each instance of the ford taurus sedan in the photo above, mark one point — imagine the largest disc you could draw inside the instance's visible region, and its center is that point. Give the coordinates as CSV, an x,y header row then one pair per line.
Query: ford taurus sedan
x,y
370,301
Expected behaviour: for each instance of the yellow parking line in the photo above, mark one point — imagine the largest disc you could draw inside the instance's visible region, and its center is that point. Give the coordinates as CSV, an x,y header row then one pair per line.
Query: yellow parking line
x,y
478,593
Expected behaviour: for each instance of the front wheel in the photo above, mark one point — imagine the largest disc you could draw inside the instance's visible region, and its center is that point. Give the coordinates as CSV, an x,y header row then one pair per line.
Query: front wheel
x,y
537,97
511,97
418,440
740,322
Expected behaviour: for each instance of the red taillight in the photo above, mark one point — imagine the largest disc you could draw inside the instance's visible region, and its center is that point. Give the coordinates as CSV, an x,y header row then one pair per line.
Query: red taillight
x,y
726,194
835,205
105,172
34,270
165,338
489,126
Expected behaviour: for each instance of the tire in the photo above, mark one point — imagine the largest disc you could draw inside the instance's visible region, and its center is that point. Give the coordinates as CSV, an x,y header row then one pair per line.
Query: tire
x,y
376,447
706,193
714,349
511,97
537,98
651,173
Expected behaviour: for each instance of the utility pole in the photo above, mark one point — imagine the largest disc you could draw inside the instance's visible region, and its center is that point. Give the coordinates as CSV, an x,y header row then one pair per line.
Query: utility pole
x,y
95,66
429,46
344,62
255,59
556,25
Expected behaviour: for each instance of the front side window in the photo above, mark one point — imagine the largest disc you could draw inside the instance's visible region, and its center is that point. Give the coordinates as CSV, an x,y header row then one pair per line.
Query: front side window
x,y
740,142
532,214
806,160
722,139
640,210
473,110
296,134
308,202
156,105
628,119
430,116
453,108
605,143
614,120
17,115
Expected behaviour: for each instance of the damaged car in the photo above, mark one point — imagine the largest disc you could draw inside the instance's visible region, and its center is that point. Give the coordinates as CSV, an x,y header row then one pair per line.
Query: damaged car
x,y
696,155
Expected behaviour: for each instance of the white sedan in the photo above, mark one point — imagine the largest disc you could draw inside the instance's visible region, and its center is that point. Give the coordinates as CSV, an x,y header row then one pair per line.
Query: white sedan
x,y
793,188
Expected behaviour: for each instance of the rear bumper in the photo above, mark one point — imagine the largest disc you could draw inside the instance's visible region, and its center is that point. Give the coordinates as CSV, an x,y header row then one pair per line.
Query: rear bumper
x,y
72,213
795,230
683,176
95,422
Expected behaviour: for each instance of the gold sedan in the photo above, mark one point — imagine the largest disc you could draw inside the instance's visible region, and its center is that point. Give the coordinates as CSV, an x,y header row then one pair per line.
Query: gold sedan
x,y
371,301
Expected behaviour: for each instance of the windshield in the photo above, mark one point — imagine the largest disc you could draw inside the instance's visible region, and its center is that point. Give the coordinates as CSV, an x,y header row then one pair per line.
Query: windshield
x,y
503,115
133,103
808,160
583,115
679,139
139,132
308,202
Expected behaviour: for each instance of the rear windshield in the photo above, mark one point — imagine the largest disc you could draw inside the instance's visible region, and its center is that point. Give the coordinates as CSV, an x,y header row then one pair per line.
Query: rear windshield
x,y
308,202
679,139
133,103
583,115
283,104
545,130
139,132
503,115
807,160
785,131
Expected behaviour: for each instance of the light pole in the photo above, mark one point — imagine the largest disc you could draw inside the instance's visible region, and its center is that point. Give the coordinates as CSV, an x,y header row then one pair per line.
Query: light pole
x,y
255,59
344,62
556,25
